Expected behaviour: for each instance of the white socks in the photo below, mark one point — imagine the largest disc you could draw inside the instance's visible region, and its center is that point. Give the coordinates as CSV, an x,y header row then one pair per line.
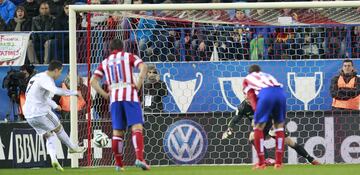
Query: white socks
x,y
51,148
65,139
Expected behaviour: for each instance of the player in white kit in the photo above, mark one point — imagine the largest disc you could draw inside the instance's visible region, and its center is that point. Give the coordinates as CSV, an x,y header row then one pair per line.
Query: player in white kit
x,y
38,110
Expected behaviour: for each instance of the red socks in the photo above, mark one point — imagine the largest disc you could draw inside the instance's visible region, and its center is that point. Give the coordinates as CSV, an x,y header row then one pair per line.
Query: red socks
x,y
259,145
138,142
279,150
117,148
118,145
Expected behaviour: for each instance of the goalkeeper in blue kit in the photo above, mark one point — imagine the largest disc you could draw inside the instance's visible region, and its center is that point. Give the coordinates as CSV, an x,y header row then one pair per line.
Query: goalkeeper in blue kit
x,y
245,111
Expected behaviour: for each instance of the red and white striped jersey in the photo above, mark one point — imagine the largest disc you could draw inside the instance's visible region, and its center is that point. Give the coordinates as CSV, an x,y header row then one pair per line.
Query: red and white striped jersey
x,y
259,80
118,71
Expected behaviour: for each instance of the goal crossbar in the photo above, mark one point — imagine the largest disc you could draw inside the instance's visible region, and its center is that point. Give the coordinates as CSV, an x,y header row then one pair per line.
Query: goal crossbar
x,y
216,6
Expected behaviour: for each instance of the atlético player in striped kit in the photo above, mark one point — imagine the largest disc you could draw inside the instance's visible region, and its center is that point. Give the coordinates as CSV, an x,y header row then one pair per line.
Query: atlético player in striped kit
x,y
267,98
125,107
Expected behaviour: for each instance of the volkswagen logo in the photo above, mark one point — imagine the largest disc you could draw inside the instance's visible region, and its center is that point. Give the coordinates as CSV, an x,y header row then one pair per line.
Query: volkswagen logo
x,y
185,142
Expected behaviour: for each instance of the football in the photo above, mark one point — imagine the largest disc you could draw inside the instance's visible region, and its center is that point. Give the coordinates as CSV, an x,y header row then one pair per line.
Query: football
x,y
100,139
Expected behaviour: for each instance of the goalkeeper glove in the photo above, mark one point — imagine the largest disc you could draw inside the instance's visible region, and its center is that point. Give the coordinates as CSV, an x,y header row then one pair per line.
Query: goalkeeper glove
x,y
227,133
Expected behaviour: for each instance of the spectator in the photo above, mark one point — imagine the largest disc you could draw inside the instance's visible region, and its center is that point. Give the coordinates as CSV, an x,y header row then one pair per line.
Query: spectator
x,y
154,91
62,21
335,42
235,46
64,101
2,25
98,22
310,49
7,10
62,24
345,88
20,22
43,22
203,44
356,42
185,46
164,47
17,2
289,13
257,47
280,48
145,38
32,8
196,47
151,40
97,19
218,15
56,7
240,16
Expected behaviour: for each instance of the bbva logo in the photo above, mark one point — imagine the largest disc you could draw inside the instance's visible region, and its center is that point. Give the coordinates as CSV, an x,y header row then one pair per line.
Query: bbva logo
x,y
185,142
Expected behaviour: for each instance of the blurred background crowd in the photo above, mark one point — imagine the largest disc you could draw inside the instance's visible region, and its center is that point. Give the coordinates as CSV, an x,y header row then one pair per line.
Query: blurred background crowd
x,y
156,36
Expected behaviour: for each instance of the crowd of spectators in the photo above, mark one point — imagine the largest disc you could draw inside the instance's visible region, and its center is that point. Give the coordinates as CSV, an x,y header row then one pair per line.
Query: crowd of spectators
x,y
41,17
154,41
245,43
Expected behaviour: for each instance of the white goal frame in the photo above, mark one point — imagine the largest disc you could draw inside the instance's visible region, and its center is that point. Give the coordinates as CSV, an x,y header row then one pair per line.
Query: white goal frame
x,y
132,7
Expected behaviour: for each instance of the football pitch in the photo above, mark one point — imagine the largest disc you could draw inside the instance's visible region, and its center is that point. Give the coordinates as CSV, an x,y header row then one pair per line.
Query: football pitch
x,y
338,169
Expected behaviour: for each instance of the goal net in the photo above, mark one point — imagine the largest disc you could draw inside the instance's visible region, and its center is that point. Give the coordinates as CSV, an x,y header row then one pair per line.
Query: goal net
x,y
198,56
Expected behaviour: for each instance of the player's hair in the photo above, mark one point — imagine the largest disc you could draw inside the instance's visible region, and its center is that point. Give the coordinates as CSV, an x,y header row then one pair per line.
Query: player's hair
x,y
116,44
68,2
55,64
254,68
348,61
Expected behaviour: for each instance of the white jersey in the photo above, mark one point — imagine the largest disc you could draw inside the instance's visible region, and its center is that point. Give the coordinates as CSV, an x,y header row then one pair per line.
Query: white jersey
x,y
41,88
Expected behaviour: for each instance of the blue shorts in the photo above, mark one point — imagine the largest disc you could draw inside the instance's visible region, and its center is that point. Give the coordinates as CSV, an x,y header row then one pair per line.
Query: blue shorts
x,y
124,114
271,102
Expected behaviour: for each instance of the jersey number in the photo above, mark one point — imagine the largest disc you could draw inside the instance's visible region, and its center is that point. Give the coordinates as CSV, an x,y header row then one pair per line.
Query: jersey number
x,y
113,72
29,86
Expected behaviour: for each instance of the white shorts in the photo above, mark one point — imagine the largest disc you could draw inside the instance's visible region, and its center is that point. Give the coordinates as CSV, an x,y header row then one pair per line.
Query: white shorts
x,y
44,124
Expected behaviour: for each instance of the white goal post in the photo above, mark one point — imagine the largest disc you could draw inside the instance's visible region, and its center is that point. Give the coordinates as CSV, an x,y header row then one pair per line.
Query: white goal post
x,y
74,9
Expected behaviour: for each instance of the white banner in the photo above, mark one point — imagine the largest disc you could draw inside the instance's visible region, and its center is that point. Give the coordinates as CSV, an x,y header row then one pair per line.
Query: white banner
x,y
13,48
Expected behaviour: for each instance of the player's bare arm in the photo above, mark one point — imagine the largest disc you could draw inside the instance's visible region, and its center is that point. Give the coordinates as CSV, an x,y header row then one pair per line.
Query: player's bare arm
x,y
143,69
96,85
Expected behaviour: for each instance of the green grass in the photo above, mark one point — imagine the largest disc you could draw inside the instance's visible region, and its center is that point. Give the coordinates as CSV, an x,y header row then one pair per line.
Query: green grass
x,y
339,169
